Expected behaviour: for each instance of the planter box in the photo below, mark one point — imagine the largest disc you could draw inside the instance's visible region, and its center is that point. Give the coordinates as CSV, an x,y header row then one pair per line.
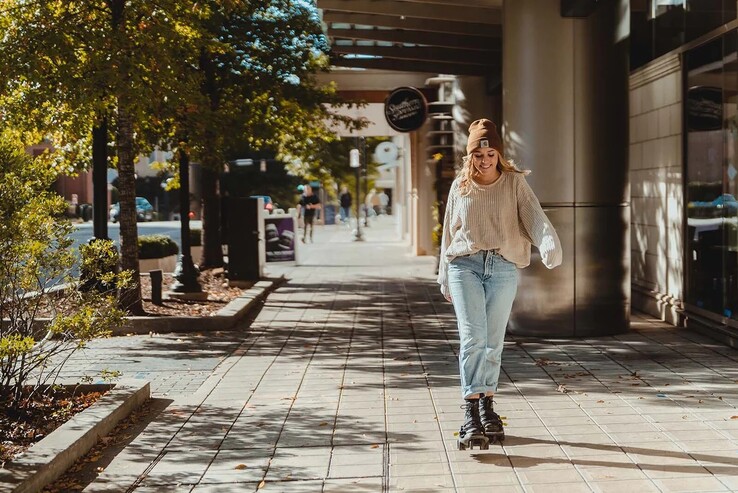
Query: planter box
x,y
48,459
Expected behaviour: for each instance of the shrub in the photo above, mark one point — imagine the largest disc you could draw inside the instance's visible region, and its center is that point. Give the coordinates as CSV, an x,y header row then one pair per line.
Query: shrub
x,y
38,262
156,246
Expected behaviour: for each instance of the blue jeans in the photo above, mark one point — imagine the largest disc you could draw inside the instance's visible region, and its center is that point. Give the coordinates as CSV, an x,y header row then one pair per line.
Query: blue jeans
x,y
483,287
345,214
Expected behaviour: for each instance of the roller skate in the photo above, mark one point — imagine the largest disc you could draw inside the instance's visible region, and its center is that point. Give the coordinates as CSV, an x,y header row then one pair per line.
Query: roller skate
x,y
491,422
471,433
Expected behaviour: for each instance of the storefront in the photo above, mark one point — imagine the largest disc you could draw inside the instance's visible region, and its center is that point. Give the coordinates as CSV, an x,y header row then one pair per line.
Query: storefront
x,y
711,172
702,39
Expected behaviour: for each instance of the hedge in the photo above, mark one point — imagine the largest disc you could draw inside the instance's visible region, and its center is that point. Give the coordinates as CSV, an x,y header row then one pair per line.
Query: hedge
x,y
156,246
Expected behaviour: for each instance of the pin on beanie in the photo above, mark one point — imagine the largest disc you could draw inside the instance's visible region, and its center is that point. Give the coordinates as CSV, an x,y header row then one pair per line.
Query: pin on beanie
x,y
483,133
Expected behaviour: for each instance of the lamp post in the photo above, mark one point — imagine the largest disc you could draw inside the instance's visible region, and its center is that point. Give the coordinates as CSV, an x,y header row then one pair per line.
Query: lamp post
x,y
365,172
185,277
355,162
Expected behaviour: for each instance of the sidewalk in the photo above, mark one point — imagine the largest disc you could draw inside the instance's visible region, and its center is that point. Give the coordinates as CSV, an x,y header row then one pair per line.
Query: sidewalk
x,y
346,381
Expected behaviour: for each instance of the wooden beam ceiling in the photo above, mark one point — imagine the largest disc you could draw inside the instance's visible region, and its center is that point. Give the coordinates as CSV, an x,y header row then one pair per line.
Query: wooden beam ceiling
x,y
418,37
415,24
415,66
434,36
470,12
425,53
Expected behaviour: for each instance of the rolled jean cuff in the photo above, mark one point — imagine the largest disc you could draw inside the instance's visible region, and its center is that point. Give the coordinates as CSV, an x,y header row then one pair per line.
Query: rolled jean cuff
x,y
475,391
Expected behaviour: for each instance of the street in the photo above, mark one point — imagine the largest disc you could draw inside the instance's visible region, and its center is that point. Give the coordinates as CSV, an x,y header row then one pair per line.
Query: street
x,y
83,231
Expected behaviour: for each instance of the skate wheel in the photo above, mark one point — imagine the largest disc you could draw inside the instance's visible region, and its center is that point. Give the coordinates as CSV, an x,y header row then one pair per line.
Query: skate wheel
x,y
460,445
484,446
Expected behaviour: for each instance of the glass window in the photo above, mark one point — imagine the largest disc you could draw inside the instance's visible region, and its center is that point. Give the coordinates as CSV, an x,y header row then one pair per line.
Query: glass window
x,y
668,17
660,26
705,15
641,38
711,176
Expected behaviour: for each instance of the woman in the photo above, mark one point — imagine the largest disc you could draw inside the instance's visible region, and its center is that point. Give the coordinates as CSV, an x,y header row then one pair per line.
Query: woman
x,y
492,218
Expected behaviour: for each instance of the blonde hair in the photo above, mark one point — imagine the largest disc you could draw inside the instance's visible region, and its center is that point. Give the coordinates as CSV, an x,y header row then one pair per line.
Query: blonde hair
x,y
467,170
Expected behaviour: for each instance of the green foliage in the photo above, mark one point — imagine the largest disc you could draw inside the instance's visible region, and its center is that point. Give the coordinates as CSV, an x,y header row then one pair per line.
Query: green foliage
x,y
37,260
156,246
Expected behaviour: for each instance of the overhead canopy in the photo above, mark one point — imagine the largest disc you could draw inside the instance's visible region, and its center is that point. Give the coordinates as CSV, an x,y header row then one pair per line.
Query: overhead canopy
x,y
460,37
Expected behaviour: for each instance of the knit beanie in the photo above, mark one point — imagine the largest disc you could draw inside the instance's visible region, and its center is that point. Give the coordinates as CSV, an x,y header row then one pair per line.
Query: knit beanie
x,y
483,133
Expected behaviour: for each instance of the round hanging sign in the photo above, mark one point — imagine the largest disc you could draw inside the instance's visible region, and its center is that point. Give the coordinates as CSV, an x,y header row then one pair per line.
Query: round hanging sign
x,y
405,109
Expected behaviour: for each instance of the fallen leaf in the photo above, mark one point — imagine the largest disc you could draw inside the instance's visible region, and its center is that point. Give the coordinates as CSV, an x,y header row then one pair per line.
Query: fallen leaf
x,y
240,466
261,485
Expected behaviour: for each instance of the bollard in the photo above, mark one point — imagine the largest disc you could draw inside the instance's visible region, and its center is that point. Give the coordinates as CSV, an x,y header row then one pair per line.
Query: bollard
x,y
156,279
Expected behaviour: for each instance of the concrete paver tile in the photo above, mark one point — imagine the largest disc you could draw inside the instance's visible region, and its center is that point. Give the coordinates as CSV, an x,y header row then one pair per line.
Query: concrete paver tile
x,y
226,488
163,489
179,467
356,471
576,487
629,485
690,485
238,466
354,485
421,483
524,462
549,476
475,488
487,480
699,446
310,486
417,457
299,463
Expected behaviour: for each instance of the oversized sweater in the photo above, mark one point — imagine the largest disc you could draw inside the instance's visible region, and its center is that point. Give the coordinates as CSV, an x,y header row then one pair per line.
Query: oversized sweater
x,y
504,216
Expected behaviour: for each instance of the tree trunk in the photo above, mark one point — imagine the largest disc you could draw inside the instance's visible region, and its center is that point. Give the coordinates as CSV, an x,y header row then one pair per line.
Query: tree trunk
x,y
100,179
212,252
131,297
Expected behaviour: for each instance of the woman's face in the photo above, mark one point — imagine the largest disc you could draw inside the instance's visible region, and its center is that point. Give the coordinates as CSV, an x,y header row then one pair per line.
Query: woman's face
x,y
485,161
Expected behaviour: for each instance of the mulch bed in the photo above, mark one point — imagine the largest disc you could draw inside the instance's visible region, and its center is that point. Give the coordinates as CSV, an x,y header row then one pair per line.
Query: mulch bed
x,y
212,281
36,418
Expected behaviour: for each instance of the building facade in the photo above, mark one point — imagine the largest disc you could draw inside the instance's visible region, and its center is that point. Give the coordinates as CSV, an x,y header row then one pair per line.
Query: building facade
x,y
624,110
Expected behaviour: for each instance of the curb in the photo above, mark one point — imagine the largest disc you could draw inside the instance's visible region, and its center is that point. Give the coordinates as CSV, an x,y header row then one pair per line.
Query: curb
x,y
226,318
48,459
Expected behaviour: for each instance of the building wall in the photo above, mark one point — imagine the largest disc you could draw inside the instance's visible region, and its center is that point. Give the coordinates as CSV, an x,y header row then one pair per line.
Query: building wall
x,y
657,265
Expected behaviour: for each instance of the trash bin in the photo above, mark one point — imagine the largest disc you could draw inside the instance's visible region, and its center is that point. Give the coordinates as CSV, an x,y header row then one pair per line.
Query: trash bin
x,y
330,214
86,212
245,233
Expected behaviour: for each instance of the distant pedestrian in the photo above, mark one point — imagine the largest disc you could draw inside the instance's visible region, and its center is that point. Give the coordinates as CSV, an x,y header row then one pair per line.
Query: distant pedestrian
x,y
309,203
383,202
492,218
345,201
372,203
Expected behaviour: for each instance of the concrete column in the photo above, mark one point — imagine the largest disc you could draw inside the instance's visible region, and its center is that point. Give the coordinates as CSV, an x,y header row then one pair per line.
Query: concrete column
x,y
565,117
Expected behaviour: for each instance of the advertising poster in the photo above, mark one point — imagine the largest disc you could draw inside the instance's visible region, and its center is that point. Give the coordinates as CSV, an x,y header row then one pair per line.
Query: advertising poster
x,y
279,232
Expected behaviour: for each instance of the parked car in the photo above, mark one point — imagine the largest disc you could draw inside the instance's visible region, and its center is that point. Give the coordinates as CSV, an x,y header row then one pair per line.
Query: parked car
x,y
144,210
